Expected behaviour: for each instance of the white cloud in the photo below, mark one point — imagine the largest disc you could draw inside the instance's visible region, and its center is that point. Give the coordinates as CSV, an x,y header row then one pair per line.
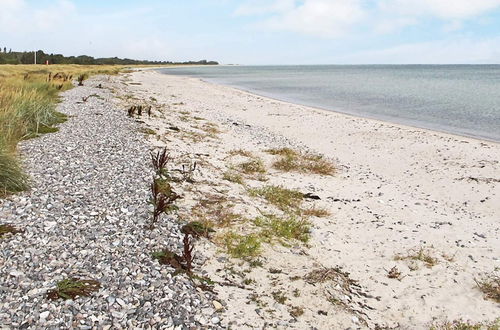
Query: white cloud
x,y
458,51
443,9
261,7
338,18
329,18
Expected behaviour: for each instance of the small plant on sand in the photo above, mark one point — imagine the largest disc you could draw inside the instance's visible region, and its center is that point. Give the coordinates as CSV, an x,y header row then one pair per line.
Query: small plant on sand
x,y
316,212
242,246
6,229
291,160
422,255
490,286
252,166
73,287
283,198
279,296
241,152
466,325
215,211
394,273
296,311
289,227
233,176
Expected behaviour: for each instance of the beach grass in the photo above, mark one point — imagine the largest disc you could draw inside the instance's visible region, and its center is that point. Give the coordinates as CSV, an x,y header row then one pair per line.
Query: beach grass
x,y
28,100
290,160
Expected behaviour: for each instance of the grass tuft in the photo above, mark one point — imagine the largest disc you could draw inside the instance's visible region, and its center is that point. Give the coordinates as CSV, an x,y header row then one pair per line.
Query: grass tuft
x,y
254,165
242,246
490,286
316,212
233,176
291,160
421,255
283,198
287,228
73,287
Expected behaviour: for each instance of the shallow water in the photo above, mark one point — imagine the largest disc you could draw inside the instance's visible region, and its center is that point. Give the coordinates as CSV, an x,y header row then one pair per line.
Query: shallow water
x,y
460,99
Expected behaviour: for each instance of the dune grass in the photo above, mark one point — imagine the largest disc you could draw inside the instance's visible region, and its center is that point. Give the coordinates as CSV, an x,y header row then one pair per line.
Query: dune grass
x,y
295,161
283,198
28,108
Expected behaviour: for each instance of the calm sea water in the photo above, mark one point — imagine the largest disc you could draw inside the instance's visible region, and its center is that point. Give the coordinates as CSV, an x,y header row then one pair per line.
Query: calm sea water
x,y
461,99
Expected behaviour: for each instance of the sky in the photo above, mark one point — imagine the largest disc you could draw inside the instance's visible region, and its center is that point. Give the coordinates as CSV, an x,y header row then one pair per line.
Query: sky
x,y
259,31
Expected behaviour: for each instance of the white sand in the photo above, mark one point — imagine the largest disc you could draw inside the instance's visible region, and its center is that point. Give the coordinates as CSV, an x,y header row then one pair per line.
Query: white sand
x,y
398,189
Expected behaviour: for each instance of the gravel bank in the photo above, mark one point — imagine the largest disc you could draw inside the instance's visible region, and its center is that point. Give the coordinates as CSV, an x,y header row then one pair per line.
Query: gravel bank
x,y
85,216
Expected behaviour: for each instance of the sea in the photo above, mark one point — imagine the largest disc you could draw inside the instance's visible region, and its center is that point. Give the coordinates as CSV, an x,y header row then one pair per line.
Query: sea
x,y
458,99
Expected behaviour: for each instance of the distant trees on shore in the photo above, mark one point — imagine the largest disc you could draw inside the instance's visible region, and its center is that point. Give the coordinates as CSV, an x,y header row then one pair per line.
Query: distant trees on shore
x,y
13,57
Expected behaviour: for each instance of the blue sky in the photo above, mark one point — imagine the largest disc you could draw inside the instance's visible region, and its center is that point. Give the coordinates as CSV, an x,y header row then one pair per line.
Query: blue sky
x,y
259,31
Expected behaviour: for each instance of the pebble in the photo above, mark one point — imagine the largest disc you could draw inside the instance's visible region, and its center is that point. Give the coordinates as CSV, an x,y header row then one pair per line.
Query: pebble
x,y
85,217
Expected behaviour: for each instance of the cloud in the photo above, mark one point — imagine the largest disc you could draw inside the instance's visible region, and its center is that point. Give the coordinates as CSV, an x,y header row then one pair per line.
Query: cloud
x,y
18,16
442,9
457,51
330,18
339,18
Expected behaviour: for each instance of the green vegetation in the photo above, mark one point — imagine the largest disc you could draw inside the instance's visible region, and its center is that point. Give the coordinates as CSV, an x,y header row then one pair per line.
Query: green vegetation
x,y
291,160
214,211
28,99
242,246
13,57
73,287
283,198
289,227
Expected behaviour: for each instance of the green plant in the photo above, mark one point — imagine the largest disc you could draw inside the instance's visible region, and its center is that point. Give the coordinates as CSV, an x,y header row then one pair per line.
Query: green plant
x,y
73,287
242,246
291,160
289,227
283,198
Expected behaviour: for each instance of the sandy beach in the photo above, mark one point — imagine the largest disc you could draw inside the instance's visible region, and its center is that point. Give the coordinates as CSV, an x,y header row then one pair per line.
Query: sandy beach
x,y
397,191
320,220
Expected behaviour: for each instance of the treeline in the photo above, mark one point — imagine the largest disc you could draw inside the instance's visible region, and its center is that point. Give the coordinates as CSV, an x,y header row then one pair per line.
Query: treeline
x,y
13,57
